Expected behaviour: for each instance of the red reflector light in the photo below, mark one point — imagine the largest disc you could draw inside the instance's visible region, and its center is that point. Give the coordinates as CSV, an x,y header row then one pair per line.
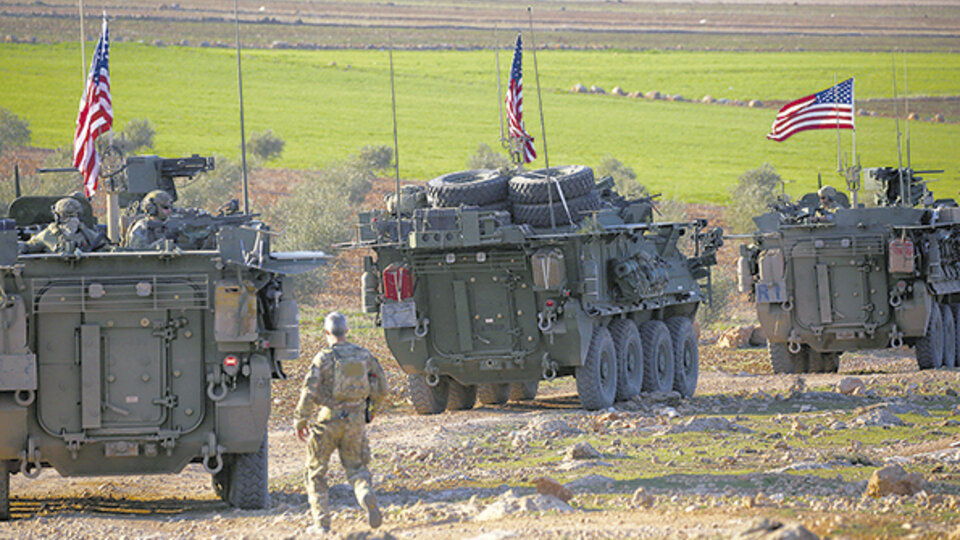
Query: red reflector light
x,y
549,303
397,282
231,361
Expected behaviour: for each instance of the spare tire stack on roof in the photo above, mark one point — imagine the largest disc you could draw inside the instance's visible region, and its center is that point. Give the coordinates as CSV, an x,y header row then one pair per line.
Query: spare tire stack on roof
x,y
531,193
485,188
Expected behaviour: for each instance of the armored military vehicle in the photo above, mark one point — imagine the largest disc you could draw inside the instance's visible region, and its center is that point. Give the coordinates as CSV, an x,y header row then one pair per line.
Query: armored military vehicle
x,y
491,283
136,362
881,274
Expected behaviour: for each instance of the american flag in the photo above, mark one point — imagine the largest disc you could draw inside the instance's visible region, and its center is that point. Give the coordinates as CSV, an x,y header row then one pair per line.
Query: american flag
x,y
515,105
830,109
95,116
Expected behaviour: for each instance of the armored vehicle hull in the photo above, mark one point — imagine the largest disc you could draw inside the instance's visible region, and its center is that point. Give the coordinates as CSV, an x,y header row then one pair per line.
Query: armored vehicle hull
x,y
473,303
139,362
853,279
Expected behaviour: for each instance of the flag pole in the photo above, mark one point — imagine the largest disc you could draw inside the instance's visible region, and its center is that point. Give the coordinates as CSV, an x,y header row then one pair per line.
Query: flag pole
x,y
243,135
906,105
836,113
536,70
896,114
853,157
496,52
83,50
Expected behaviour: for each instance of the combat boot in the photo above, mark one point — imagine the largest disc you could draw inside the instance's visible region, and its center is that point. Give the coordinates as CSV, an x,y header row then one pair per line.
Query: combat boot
x,y
374,518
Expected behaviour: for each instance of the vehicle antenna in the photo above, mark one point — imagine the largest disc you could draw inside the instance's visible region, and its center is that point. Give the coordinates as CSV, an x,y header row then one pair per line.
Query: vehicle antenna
x,y
83,50
896,114
396,146
496,53
819,181
243,135
536,71
906,105
836,113
16,179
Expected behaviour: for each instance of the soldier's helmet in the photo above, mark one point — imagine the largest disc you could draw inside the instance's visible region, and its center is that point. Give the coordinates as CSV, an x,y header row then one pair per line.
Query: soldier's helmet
x,y
827,194
336,324
66,208
155,200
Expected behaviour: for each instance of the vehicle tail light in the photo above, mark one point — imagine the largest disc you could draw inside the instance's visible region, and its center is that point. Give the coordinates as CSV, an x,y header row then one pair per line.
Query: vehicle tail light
x,y
397,282
230,361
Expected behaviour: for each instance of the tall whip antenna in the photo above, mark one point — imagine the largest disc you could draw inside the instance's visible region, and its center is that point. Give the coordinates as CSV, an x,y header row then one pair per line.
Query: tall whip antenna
x,y
836,113
396,146
496,53
896,114
243,135
536,71
83,50
906,105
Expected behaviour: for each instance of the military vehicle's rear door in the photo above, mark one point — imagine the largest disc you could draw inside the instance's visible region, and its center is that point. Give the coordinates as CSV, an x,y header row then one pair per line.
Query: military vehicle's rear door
x,y
129,356
838,283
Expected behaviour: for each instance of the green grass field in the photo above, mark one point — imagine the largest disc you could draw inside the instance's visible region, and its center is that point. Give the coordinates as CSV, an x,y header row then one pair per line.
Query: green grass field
x,y
446,106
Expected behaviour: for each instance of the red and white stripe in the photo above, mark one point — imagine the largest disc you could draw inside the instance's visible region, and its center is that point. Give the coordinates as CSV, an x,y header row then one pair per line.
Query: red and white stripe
x,y
95,116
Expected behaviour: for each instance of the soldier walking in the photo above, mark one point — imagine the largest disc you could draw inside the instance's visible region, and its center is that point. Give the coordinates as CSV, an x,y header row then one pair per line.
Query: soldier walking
x,y
344,388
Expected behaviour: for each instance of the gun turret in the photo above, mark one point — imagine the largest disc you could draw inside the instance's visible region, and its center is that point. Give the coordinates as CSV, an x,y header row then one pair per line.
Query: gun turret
x,y
147,173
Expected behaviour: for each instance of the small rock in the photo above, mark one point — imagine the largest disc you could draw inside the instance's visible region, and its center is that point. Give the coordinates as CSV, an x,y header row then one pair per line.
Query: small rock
x,y
637,94
549,486
579,89
913,116
642,499
582,450
736,337
939,118
652,94
850,386
755,103
617,91
893,480
597,90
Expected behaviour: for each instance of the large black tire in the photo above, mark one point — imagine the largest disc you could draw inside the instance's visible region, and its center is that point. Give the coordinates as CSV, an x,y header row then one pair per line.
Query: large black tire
x,y
524,391
493,393
686,355
626,341
597,377
538,215
461,397
247,484
784,361
427,399
658,364
475,187
536,187
949,336
929,348
4,492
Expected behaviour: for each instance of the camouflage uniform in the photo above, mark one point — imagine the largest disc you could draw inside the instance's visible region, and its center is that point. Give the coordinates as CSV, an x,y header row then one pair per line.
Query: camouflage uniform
x,y
54,240
151,230
337,425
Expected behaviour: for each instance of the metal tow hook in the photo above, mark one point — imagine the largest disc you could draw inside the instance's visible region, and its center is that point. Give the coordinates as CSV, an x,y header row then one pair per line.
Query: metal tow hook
x,y
212,450
895,300
793,342
548,368
545,323
432,373
30,460
423,326
212,387
896,337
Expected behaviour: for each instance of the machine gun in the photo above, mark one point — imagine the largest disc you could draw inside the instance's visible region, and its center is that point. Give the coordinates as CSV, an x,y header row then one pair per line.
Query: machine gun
x,y
195,228
147,173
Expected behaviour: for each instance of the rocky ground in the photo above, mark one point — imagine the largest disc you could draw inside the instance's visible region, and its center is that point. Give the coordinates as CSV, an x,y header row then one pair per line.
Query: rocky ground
x,y
749,451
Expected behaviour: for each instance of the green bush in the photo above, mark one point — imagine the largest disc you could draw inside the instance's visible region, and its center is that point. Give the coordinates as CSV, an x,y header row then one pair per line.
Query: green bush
x,y
264,145
211,189
60,183
487,158
624,178
14,130
377,158
137,135
670,210
714,308
756,189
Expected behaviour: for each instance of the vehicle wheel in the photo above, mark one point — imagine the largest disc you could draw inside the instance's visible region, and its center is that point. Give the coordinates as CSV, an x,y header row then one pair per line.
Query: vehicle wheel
x,y
658,365
461,396
535,187
4,492
493,393
955,308
949,336
686,355
475,187
929,348
248,480
524,391
597,377
831,362
626,341
538,215
784,361
427,399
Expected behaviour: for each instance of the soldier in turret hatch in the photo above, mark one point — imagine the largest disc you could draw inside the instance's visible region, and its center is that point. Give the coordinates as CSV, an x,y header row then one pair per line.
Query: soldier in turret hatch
x,y
828,198
151,230
66,234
